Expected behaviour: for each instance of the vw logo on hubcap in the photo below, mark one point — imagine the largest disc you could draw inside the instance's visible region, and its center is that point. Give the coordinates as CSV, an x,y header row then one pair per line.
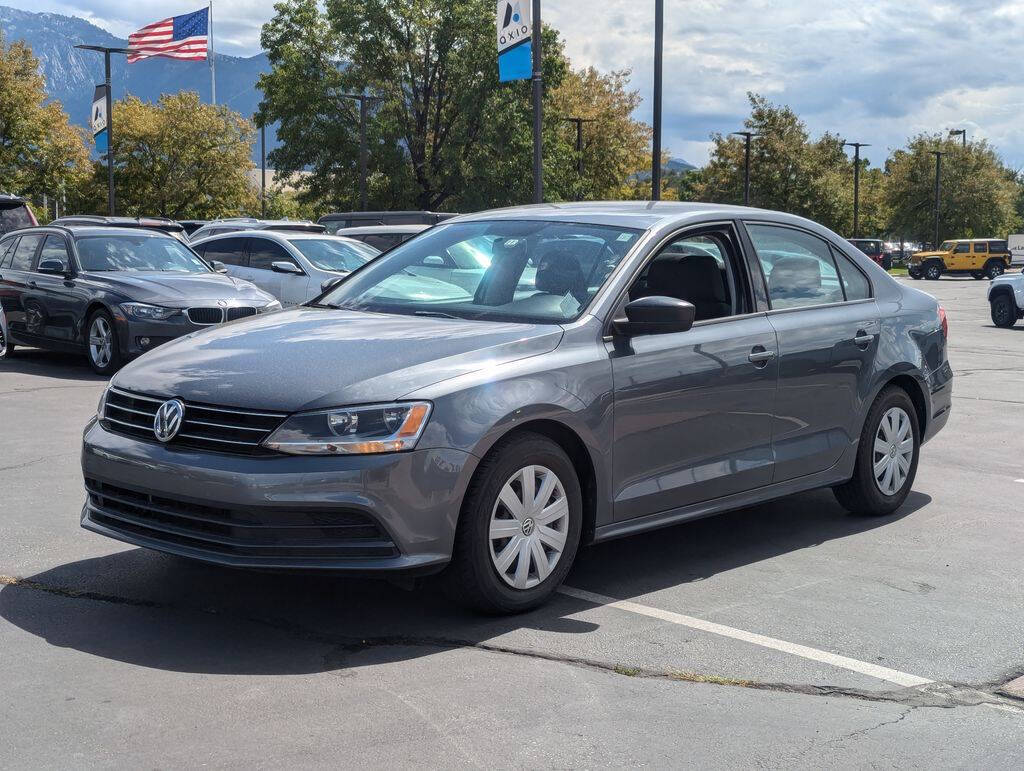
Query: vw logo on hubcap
x,y
528,526
167,420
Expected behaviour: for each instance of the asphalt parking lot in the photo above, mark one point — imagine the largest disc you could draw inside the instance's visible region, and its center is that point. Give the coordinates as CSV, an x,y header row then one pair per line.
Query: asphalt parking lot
x,y
786,635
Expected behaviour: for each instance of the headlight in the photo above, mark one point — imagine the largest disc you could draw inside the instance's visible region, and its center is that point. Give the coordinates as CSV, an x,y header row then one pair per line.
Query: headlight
x,y
148,312
270,307
103,403
365,430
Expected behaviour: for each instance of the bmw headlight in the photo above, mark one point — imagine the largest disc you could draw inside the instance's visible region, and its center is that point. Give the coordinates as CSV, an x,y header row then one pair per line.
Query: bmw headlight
x,y
271,307
364,430
144,312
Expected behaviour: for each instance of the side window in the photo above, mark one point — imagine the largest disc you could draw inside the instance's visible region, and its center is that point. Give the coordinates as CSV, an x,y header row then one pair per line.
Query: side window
x,y
200,249
55,248
798,267
230,251
962,249
699,269
855,284
981,248
7,252
25,252
382,241
263,253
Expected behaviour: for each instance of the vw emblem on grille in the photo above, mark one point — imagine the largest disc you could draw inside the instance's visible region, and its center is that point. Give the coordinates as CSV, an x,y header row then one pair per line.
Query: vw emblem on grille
x,y
167,420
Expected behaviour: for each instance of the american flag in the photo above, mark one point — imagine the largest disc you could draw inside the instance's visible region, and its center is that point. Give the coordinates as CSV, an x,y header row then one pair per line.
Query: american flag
x,y
179,37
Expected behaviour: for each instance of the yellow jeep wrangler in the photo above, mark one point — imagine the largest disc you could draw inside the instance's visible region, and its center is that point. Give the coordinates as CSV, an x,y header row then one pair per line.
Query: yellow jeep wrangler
x,y
978,257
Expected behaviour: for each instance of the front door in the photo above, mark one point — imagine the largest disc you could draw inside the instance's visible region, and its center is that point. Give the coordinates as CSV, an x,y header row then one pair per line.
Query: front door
x,y
693,410
289,288
64,304
828,327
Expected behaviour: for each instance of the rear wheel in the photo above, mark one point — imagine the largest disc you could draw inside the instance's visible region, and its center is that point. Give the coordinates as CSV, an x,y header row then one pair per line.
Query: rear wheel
x,y
519,527
886,457
1004,311
101,345
994,269
6,346
933,271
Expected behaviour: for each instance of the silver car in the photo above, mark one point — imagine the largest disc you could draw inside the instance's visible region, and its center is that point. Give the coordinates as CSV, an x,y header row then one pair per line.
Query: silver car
x,y
664,362
294,267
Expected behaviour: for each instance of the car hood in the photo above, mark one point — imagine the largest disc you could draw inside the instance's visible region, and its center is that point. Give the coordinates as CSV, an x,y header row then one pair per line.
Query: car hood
x,y
308,358
177,290
923,255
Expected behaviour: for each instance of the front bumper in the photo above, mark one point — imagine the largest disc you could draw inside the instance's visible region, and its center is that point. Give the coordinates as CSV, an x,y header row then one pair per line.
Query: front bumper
x,y
358,514
137,336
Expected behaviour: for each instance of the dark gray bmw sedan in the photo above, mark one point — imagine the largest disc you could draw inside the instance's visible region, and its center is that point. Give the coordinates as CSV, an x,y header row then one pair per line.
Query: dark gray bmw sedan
x,y
592,371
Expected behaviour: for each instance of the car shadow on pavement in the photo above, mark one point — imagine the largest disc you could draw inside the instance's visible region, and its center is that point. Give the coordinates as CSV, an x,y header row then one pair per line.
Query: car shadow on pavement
x,y
52,364
152,610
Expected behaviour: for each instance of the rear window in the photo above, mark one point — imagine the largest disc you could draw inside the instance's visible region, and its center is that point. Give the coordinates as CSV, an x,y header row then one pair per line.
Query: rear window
x,y
14,218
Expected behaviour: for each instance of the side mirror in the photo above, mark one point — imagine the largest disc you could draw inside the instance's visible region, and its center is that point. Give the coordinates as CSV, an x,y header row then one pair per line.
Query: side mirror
x,y
287,267
433,261
218,266
656,316
330,283
53,267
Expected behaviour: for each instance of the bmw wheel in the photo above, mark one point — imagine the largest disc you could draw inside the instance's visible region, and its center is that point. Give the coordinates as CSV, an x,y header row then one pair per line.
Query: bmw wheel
x,y
887,457
101,345
519,528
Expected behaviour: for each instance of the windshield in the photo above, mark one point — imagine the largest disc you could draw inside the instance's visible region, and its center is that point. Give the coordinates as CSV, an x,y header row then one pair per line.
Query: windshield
x,y
947,246
334,253
501,271
137,253
14,218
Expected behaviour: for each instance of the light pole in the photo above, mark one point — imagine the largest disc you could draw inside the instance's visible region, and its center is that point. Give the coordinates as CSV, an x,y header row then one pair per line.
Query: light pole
x,y
364,100
856,183
938,188
578,122
659,40
538,107
107,51
962,133
747,136
263,170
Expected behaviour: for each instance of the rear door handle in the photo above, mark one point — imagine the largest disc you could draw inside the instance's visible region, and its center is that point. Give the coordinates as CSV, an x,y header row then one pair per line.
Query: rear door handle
x,y
32,284
760,356
863,339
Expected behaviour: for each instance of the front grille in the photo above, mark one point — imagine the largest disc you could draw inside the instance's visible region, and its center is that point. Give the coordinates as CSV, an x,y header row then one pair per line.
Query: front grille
x,y
206,315
204,426
240,313
250,532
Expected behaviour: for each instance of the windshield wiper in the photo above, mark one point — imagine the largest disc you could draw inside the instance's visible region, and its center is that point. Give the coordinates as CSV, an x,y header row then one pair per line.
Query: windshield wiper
x,y
435,314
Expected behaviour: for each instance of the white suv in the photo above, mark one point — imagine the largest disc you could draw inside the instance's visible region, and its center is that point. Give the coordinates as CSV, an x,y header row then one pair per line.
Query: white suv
x,y
1006,297
294,267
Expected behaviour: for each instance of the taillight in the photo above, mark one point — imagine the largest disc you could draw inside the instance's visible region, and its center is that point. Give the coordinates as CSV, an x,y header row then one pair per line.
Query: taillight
x,y
944,321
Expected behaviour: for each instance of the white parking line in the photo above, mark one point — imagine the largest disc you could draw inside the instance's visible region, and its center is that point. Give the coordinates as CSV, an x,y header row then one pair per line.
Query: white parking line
x,y
853,665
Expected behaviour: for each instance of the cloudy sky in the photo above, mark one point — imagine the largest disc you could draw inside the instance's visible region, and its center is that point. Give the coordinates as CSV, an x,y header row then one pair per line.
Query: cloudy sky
x,y
873,71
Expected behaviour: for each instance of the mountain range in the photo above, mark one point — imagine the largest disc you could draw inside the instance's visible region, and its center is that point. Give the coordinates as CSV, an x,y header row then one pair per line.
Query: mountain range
x,y
72,74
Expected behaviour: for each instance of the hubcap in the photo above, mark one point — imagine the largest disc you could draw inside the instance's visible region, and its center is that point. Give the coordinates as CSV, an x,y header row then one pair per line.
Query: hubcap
x,y
101,342
1001,310
528,528
893,451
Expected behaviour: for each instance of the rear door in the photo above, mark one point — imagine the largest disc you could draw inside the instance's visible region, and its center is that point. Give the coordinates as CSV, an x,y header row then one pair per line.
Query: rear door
x,y
828,328
231,251
8,295
25,317
289,288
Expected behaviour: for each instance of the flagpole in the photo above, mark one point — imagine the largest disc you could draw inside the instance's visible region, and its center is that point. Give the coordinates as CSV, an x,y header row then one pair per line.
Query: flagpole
x,y
213,59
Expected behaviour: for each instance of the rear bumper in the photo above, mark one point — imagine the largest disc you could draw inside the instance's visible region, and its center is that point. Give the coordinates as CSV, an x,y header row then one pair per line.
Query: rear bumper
x,y
940,401
366,515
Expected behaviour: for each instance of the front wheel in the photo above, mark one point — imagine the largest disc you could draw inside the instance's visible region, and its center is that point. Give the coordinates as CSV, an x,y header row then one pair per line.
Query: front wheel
x,y
886,457
6,346
994,269
933,272
519,528
101,345
1004,311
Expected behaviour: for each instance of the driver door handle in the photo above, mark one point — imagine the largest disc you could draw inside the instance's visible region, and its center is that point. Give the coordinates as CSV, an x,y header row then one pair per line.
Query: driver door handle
x,y
760,356
863,339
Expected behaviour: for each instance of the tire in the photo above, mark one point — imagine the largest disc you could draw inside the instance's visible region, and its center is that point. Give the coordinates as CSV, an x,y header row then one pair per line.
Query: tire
x,y
1004,311
994,269
474,577
887,262
978,274
104,360
914,273
933,271
864,494
6,346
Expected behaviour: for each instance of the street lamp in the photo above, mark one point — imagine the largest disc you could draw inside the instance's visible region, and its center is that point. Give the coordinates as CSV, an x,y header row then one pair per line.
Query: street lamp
x,y
578,122
747,135
364,100
962,133
856,183
938,187
659,41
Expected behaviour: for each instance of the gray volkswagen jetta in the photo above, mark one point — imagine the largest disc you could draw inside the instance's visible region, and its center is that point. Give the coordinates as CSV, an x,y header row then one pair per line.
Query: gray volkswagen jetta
x,y
665,362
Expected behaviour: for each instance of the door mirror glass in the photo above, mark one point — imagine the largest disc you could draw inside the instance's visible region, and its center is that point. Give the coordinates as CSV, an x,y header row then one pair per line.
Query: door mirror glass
x,y
54,267
218,266
286,267
656,316
433,261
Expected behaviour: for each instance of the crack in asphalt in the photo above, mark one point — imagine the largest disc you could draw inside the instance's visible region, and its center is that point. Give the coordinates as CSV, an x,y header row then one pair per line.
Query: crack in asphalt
x,y
934,695
37,460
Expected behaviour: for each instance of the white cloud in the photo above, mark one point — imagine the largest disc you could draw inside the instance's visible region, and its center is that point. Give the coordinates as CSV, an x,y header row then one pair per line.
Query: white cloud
x,y
871,70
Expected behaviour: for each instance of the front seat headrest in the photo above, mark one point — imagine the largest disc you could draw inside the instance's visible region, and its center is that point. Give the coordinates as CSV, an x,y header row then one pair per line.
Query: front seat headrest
x,y
559,273
795,277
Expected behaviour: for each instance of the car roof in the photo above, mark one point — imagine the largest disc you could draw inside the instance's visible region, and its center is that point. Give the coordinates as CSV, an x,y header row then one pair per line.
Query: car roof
x,y
382,229
81,231
273,235
341,215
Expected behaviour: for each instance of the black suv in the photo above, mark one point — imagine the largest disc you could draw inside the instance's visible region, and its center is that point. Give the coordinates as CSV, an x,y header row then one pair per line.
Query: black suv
x,y
112,293
14,213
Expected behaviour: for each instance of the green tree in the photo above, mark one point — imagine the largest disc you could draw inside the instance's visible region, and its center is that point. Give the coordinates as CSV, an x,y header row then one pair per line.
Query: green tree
x,y
40,151
177,158
978,198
